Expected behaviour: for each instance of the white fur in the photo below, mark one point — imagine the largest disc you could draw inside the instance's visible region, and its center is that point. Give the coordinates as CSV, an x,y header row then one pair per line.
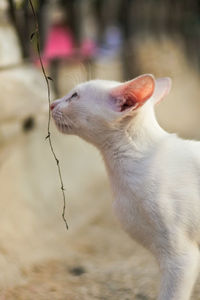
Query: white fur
x,y
155,177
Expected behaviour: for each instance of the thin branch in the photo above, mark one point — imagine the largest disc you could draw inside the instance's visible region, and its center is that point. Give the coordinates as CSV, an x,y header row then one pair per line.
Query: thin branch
x,y
47,78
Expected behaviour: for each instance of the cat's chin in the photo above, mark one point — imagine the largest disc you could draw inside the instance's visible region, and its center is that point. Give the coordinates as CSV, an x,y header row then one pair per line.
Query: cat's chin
x,y
63,128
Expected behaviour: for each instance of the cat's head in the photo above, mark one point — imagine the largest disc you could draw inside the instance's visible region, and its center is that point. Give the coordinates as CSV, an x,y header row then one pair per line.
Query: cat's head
x,y
97,106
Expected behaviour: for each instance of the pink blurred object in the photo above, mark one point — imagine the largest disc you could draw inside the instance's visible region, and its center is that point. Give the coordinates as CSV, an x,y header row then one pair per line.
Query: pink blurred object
x,y
88,48
59,43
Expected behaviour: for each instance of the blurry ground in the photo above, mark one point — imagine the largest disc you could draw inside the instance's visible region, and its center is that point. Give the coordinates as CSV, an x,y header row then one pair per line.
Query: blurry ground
x,y
95,259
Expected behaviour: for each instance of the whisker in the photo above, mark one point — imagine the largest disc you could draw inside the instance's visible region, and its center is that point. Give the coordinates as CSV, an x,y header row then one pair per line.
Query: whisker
x,y
84,71
69,121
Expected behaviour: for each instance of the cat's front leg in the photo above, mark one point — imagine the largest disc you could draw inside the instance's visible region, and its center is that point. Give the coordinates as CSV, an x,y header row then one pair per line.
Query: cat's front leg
x,y
179,272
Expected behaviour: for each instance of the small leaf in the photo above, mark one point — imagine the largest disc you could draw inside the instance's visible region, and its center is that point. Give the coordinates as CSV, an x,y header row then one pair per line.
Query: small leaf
x,y
49,78
32,35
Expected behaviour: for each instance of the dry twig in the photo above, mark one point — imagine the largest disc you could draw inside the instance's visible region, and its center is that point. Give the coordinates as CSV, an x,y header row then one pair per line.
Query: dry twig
x,y
47,78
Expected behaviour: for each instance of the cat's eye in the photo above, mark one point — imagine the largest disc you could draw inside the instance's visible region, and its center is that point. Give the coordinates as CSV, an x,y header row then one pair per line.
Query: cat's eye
x,y
74,95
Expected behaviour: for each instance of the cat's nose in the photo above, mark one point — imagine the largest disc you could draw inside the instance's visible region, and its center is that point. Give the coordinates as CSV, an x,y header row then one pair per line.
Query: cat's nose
x,y
53,104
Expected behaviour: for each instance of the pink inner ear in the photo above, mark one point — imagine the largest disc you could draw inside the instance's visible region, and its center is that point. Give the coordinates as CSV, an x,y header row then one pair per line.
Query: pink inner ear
x,y
134,93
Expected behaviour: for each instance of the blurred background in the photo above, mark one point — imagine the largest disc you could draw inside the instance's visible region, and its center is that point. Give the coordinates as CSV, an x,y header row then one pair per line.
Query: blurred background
x,y
81,40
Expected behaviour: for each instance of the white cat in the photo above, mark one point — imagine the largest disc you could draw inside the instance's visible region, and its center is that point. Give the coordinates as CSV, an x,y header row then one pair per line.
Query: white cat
x,y
155,176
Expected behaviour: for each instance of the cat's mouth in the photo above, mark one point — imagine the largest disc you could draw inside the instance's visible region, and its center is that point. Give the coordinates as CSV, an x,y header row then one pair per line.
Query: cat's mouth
x,y
62,125
61,122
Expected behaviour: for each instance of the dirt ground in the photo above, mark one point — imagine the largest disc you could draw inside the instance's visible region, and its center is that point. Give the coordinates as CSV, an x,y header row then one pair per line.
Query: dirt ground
x,y
101,264
95,259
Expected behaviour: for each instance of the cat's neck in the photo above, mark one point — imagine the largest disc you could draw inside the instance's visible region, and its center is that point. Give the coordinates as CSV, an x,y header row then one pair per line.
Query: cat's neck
x,y
140,136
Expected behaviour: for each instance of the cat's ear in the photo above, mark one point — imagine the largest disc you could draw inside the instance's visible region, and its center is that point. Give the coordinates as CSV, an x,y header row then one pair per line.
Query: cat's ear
x,y
162,89
134,93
